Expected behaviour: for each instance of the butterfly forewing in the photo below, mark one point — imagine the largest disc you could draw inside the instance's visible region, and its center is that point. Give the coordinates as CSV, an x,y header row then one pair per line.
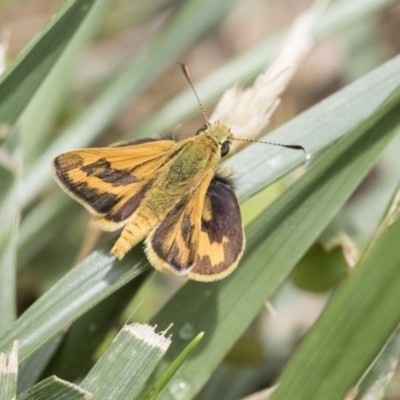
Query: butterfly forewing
x,y
110,182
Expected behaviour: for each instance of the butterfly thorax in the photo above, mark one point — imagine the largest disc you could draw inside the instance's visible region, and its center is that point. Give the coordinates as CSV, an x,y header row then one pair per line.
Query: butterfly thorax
x,y
191,162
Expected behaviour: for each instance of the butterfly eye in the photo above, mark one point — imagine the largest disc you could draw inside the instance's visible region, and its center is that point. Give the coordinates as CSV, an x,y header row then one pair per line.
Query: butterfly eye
x,y
202,129
225,148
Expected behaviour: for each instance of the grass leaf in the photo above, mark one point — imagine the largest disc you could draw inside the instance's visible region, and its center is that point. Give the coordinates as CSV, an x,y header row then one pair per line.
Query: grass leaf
x,y
364,312
92,280
88,332
376,381
123,369
55,388
9,223
25,74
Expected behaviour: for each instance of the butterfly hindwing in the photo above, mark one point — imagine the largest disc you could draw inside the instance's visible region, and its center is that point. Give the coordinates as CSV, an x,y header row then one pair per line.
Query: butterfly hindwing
x,y
221,240
202,237
172,245
111,182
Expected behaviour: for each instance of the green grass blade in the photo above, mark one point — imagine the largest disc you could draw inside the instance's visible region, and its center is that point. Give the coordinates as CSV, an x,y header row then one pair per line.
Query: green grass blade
x,y
88,283
37,121
43,224
152,392
275,242
192,20
359,319
25,74
55,388
9,373
31,370
390,215
124,368
9,223
375,383
88,332
9,220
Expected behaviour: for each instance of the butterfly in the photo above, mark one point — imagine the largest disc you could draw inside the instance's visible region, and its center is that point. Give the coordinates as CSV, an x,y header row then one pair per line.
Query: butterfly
x,y
166,192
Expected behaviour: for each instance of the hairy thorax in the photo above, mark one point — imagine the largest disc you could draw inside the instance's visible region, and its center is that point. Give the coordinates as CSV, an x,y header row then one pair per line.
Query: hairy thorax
x,y
196,159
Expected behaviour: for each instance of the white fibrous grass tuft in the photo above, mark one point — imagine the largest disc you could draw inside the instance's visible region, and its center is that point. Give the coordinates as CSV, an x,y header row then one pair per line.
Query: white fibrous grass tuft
x,y
248,111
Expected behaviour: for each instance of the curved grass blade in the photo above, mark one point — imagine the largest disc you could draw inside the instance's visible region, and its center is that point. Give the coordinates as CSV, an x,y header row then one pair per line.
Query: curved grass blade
x,y
38,119
88,283
315,129
88,332
25,74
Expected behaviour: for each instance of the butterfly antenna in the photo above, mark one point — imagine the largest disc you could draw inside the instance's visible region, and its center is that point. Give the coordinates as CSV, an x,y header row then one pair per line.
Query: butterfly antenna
x,y
288,146
185,71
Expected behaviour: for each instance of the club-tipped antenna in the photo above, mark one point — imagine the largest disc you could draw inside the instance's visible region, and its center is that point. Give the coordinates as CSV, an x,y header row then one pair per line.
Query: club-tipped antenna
x,y
288,146
185,71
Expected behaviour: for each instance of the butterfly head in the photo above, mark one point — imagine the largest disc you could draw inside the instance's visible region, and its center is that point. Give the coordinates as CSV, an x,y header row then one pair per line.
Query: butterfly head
x,y
218,133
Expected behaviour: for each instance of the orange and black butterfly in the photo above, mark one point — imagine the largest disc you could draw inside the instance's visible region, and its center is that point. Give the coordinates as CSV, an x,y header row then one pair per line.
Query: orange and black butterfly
x,y
167,192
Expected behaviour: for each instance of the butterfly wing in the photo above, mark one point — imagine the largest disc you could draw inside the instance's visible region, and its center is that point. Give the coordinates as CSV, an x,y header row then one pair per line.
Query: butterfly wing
x,y
172,245
111,182
202,237
222,240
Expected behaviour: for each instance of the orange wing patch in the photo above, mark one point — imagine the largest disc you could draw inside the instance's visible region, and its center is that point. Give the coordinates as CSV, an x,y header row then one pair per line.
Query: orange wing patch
x,y
111,182
221,241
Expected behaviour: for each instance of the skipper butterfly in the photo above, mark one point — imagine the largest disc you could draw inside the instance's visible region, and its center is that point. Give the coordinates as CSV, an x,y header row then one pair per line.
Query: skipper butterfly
x,y
169,193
